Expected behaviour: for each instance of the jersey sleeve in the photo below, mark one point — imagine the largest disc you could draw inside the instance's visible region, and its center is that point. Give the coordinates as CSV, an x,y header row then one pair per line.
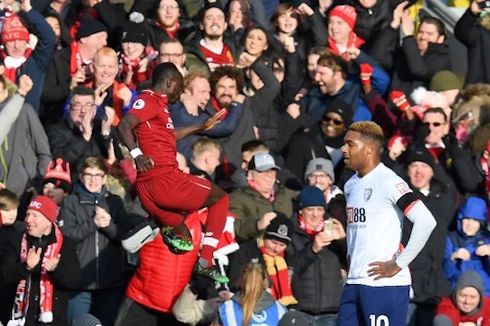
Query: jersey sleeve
x,y
144,108
399,192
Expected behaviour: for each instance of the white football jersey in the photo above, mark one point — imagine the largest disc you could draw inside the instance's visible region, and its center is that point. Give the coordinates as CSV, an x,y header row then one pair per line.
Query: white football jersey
x,y
374,224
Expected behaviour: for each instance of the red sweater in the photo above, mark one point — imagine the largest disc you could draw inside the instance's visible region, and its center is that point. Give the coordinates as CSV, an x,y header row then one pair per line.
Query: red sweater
x,y
448,308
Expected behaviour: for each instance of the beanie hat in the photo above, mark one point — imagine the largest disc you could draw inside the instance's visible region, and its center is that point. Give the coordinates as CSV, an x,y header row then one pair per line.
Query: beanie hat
x,y
87,320
45,206
346,13
294,318
445,80
13,29
470,278
420,154
89,26
208,4
134,32
311,196
342,108
59,175
404,139
320,164
280,228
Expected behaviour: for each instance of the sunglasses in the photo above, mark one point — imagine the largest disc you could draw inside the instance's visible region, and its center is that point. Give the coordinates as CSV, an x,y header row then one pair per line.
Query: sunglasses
x,y
336,122
435,124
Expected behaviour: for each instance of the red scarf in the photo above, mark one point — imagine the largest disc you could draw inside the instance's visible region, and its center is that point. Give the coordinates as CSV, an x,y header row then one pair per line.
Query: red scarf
x,y
46,285
217,107
11,72
308,230
117,103
353,40
76,61
277,270
126,65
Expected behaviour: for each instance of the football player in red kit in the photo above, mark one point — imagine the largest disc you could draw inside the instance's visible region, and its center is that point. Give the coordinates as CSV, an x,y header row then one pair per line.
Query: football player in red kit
x,y
167,193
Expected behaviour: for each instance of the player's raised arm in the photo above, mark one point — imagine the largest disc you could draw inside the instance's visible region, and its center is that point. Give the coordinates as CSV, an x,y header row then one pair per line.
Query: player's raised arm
x,y
127,137
208,124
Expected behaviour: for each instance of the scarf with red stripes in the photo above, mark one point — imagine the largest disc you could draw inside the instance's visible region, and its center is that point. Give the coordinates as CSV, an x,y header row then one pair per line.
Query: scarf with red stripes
x,y
22,296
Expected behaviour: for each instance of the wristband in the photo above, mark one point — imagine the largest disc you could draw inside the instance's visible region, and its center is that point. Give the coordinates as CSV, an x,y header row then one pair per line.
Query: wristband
x,y
135,152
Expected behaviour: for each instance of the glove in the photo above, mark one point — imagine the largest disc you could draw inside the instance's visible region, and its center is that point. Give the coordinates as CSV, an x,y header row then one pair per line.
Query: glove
x,y
400,100
366,72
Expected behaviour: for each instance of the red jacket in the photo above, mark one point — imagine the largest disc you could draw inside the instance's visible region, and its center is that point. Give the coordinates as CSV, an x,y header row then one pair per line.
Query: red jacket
x,y
448,308
161,276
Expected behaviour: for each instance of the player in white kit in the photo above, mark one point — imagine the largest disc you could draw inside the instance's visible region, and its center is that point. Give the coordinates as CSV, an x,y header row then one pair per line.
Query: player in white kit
x,y
378,281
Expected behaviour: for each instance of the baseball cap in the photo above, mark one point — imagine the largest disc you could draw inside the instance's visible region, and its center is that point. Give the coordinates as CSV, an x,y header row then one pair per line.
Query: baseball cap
x,y
262,162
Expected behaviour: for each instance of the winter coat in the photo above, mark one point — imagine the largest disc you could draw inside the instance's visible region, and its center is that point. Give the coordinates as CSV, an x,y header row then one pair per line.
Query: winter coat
x,y
473,208
67,142
317,283
38,62
267,311
63,277
249,206
99,250
477,41
25,152
225,128
428,280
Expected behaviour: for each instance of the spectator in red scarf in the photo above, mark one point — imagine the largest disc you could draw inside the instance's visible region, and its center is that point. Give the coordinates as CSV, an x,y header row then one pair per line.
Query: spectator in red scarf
x,y
70,67
18,56
320,263
43,263
341,23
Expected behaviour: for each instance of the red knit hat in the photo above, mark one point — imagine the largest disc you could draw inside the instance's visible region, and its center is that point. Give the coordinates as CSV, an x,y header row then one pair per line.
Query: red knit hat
x,y
45,206
346,13
14,30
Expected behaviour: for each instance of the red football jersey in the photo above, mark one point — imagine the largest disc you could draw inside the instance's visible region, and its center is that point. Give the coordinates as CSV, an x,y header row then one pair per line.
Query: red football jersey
x,y
155,133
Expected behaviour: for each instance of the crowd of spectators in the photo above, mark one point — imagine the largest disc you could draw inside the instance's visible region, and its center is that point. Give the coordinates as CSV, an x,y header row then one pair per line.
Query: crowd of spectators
x,y
291,77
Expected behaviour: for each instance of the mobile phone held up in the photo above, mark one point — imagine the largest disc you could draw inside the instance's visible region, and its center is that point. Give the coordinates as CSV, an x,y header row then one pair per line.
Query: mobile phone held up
x,y
484,5
328,227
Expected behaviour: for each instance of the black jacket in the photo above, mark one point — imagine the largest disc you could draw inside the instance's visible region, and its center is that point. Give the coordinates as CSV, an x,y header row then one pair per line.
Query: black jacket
x,y
317,282
66,141
477,41
428,280
99,251
63,277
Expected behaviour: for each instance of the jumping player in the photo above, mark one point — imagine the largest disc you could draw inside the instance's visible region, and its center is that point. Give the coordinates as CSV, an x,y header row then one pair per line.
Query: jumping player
x,y
167,193
378,282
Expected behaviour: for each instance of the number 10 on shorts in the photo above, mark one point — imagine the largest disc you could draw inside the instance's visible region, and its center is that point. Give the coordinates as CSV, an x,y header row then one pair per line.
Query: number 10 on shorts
x,y
380,320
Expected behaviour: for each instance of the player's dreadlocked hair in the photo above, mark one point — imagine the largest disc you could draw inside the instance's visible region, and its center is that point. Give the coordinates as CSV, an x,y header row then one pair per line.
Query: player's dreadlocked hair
x,y
368,129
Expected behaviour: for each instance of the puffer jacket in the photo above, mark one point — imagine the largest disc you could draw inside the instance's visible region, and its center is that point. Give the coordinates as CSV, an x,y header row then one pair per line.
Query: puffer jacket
x,y
99,250
317,282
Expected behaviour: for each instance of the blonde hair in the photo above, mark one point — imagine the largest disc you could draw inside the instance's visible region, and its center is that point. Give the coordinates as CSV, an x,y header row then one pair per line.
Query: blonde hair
x,y
368,129
105,52
94,162
193,75
252,284
203,145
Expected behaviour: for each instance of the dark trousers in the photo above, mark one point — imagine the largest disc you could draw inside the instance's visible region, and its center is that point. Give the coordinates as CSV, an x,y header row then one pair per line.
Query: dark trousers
x,y
132,313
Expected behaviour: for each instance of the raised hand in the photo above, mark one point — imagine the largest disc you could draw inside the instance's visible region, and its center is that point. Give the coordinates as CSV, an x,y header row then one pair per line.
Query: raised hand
x,y
213,120
25,85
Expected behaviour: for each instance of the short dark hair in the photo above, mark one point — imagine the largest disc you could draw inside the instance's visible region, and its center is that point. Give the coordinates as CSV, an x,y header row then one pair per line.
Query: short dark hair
x,y
83,91
163,72
441,28
226,71
335,63
253,145
437,110
8,200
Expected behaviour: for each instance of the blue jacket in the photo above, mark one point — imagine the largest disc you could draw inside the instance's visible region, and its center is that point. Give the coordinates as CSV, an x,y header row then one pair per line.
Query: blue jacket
x,y
474,208
268,312
37,63
182,118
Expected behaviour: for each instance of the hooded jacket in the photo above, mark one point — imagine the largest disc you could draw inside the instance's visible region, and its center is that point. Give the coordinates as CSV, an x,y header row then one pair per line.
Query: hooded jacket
x,y
448,313
474,208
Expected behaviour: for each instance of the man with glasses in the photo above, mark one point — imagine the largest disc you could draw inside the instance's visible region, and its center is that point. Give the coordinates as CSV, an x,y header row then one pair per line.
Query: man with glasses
x,y
81,134
453,163
171,50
